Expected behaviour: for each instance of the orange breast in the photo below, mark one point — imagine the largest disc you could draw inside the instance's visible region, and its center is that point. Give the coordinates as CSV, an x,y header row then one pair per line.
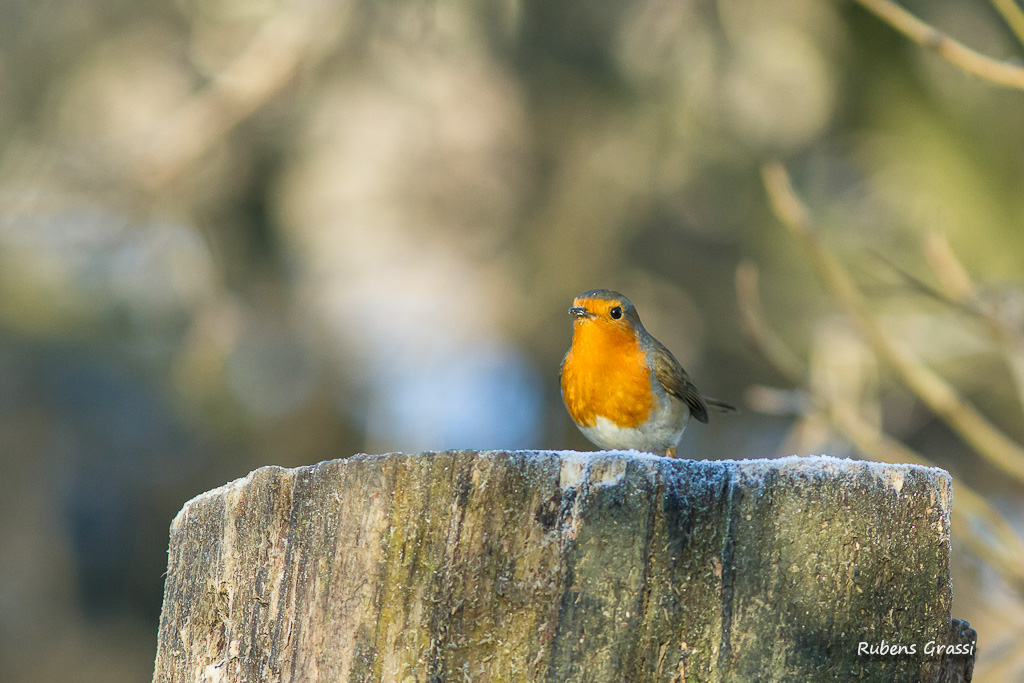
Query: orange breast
x,y
605,375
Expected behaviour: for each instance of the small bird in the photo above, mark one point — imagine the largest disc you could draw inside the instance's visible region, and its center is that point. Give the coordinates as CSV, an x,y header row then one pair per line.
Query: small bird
x,y
621,386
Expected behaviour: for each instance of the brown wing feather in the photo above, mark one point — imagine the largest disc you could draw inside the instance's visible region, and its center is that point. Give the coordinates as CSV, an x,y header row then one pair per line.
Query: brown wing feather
x,y
670,373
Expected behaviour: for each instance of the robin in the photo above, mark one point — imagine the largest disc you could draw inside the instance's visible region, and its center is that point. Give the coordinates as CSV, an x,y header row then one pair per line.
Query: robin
x,y
621,386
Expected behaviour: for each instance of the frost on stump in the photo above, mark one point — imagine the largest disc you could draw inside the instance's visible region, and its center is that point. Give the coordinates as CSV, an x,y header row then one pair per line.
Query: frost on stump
x,y
561,566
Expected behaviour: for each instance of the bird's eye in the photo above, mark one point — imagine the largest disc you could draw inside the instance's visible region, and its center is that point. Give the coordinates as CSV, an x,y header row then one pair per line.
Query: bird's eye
x,y
616,312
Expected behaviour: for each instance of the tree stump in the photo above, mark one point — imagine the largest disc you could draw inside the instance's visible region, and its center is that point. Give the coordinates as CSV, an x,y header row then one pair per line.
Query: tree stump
x,y
563,566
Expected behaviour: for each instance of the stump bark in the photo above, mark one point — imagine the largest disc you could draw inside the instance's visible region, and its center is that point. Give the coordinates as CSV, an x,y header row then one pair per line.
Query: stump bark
x,y
561,566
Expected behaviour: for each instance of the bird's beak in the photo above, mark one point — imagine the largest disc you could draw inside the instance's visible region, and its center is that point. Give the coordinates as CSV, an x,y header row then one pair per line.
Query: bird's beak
x,y
580,312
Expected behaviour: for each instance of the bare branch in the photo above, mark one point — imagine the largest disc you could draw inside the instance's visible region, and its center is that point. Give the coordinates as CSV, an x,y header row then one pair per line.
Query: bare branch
x,y
947,267
986,439
779,355
1012,15
958,54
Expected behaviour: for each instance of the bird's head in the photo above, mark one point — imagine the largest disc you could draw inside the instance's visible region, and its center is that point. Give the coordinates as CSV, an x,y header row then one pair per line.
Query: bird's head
x,y
606,311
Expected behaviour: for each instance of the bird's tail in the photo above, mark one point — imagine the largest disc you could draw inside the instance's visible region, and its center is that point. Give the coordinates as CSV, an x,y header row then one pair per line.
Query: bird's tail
x,y
721,405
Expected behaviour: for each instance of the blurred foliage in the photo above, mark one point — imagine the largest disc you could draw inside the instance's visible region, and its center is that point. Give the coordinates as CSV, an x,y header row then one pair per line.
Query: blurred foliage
x,y
244,232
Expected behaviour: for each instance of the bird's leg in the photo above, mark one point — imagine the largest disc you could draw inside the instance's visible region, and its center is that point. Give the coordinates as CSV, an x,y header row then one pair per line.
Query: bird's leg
x,y
671,452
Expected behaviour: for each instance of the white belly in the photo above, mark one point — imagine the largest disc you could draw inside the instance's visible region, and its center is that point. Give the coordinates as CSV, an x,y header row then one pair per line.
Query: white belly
x,y
661,432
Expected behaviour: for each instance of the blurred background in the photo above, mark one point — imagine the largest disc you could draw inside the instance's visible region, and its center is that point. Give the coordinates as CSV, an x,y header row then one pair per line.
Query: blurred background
x,y
236,233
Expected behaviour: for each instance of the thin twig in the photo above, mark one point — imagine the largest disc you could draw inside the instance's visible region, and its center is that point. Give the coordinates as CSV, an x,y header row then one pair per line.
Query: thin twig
x,y
785,362
958,54
1012,15
959,287
987,440
922,287
960,293
951,273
